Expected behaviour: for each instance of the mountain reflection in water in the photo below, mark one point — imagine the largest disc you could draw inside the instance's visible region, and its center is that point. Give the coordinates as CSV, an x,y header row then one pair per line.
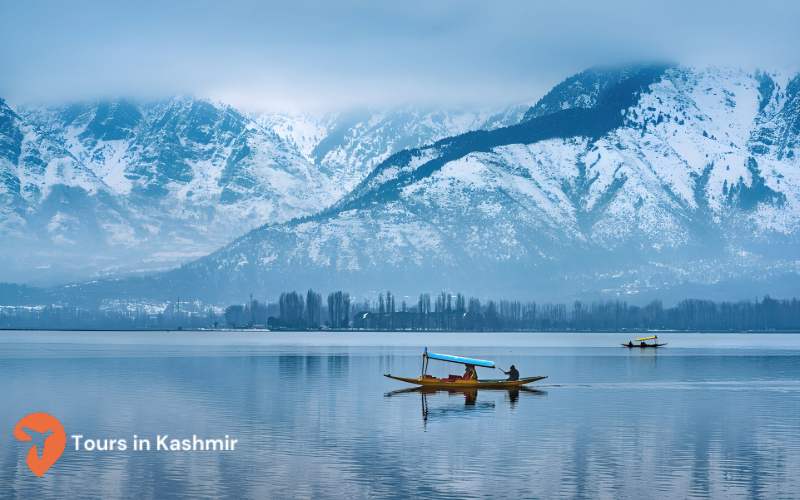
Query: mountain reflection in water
x,y
323,422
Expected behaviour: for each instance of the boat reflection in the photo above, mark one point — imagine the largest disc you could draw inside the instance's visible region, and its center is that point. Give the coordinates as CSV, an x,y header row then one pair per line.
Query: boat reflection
x,y
471,406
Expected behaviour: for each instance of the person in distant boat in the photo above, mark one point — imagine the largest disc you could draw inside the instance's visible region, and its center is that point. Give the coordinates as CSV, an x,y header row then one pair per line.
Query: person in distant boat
x,y
630,343
470,374
513,374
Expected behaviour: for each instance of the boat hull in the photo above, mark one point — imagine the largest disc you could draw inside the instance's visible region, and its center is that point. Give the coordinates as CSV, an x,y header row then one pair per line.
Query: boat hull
x,y
467,384
643,346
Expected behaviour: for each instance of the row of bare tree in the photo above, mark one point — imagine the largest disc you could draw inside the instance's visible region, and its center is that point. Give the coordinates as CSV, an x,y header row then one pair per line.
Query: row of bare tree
x,y
445,312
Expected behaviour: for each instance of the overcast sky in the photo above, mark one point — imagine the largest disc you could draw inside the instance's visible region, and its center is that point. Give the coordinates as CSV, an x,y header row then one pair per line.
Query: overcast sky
x,y
323,55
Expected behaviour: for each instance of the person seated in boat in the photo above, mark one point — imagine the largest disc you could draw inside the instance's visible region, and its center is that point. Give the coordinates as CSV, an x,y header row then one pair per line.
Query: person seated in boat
x,y
630,343
513,374
470,373
644,344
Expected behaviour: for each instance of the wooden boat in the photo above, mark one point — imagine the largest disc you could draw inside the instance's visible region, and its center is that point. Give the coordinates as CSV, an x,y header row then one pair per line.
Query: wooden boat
x,y
466,384
643,343
455,390
452,383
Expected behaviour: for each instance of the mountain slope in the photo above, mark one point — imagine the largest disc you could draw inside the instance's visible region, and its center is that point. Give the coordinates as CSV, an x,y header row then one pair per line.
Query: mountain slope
x,y
121,186
49,199
186,155
117,185
349,145
667,177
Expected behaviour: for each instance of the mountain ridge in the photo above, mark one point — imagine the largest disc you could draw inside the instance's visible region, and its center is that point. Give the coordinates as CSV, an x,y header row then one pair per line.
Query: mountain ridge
x,y
177,178
625,191
668,177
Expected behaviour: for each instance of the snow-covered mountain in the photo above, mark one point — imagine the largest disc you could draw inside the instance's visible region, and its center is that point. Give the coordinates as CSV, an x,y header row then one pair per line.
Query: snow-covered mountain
x,y
643,178
120,185
92,188
349,145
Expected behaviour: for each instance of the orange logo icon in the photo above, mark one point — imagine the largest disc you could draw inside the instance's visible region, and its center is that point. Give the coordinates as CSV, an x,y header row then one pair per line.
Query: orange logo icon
x,y
54,443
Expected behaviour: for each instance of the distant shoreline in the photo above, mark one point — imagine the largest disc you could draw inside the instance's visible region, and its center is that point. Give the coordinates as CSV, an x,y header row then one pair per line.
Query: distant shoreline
x,y
254,330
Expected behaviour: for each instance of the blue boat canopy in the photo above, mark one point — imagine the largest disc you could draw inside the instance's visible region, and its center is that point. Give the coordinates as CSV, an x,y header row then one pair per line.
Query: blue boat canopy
x,y
459,359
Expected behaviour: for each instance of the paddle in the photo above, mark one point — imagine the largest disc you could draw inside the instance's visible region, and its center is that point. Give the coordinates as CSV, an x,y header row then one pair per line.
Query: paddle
x,y
508,372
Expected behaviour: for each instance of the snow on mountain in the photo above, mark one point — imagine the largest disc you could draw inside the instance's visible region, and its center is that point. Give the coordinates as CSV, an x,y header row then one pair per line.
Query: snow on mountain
x,y
162,183
190,157
176,178
303,132
48,193
656,177
350,145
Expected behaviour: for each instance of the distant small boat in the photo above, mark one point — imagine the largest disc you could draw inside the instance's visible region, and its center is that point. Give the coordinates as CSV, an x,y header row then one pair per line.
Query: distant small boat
x,y
643,343
455,383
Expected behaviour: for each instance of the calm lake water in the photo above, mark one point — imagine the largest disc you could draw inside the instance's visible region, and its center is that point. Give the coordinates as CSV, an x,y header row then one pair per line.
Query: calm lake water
x,y
709,416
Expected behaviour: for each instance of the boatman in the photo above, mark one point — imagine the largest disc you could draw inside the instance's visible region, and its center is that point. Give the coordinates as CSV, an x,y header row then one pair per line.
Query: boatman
x,y
470,374
513,374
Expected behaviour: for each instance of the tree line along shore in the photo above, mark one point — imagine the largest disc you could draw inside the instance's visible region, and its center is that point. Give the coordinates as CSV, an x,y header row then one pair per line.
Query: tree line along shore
x,y
445,312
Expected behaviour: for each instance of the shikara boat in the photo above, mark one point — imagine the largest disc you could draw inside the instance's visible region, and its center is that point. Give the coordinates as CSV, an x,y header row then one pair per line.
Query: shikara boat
x,y
453,383
642,342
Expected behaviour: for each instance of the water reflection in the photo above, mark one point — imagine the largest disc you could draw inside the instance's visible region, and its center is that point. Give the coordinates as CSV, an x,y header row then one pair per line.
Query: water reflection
x,y
471,405
513,396
322,423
